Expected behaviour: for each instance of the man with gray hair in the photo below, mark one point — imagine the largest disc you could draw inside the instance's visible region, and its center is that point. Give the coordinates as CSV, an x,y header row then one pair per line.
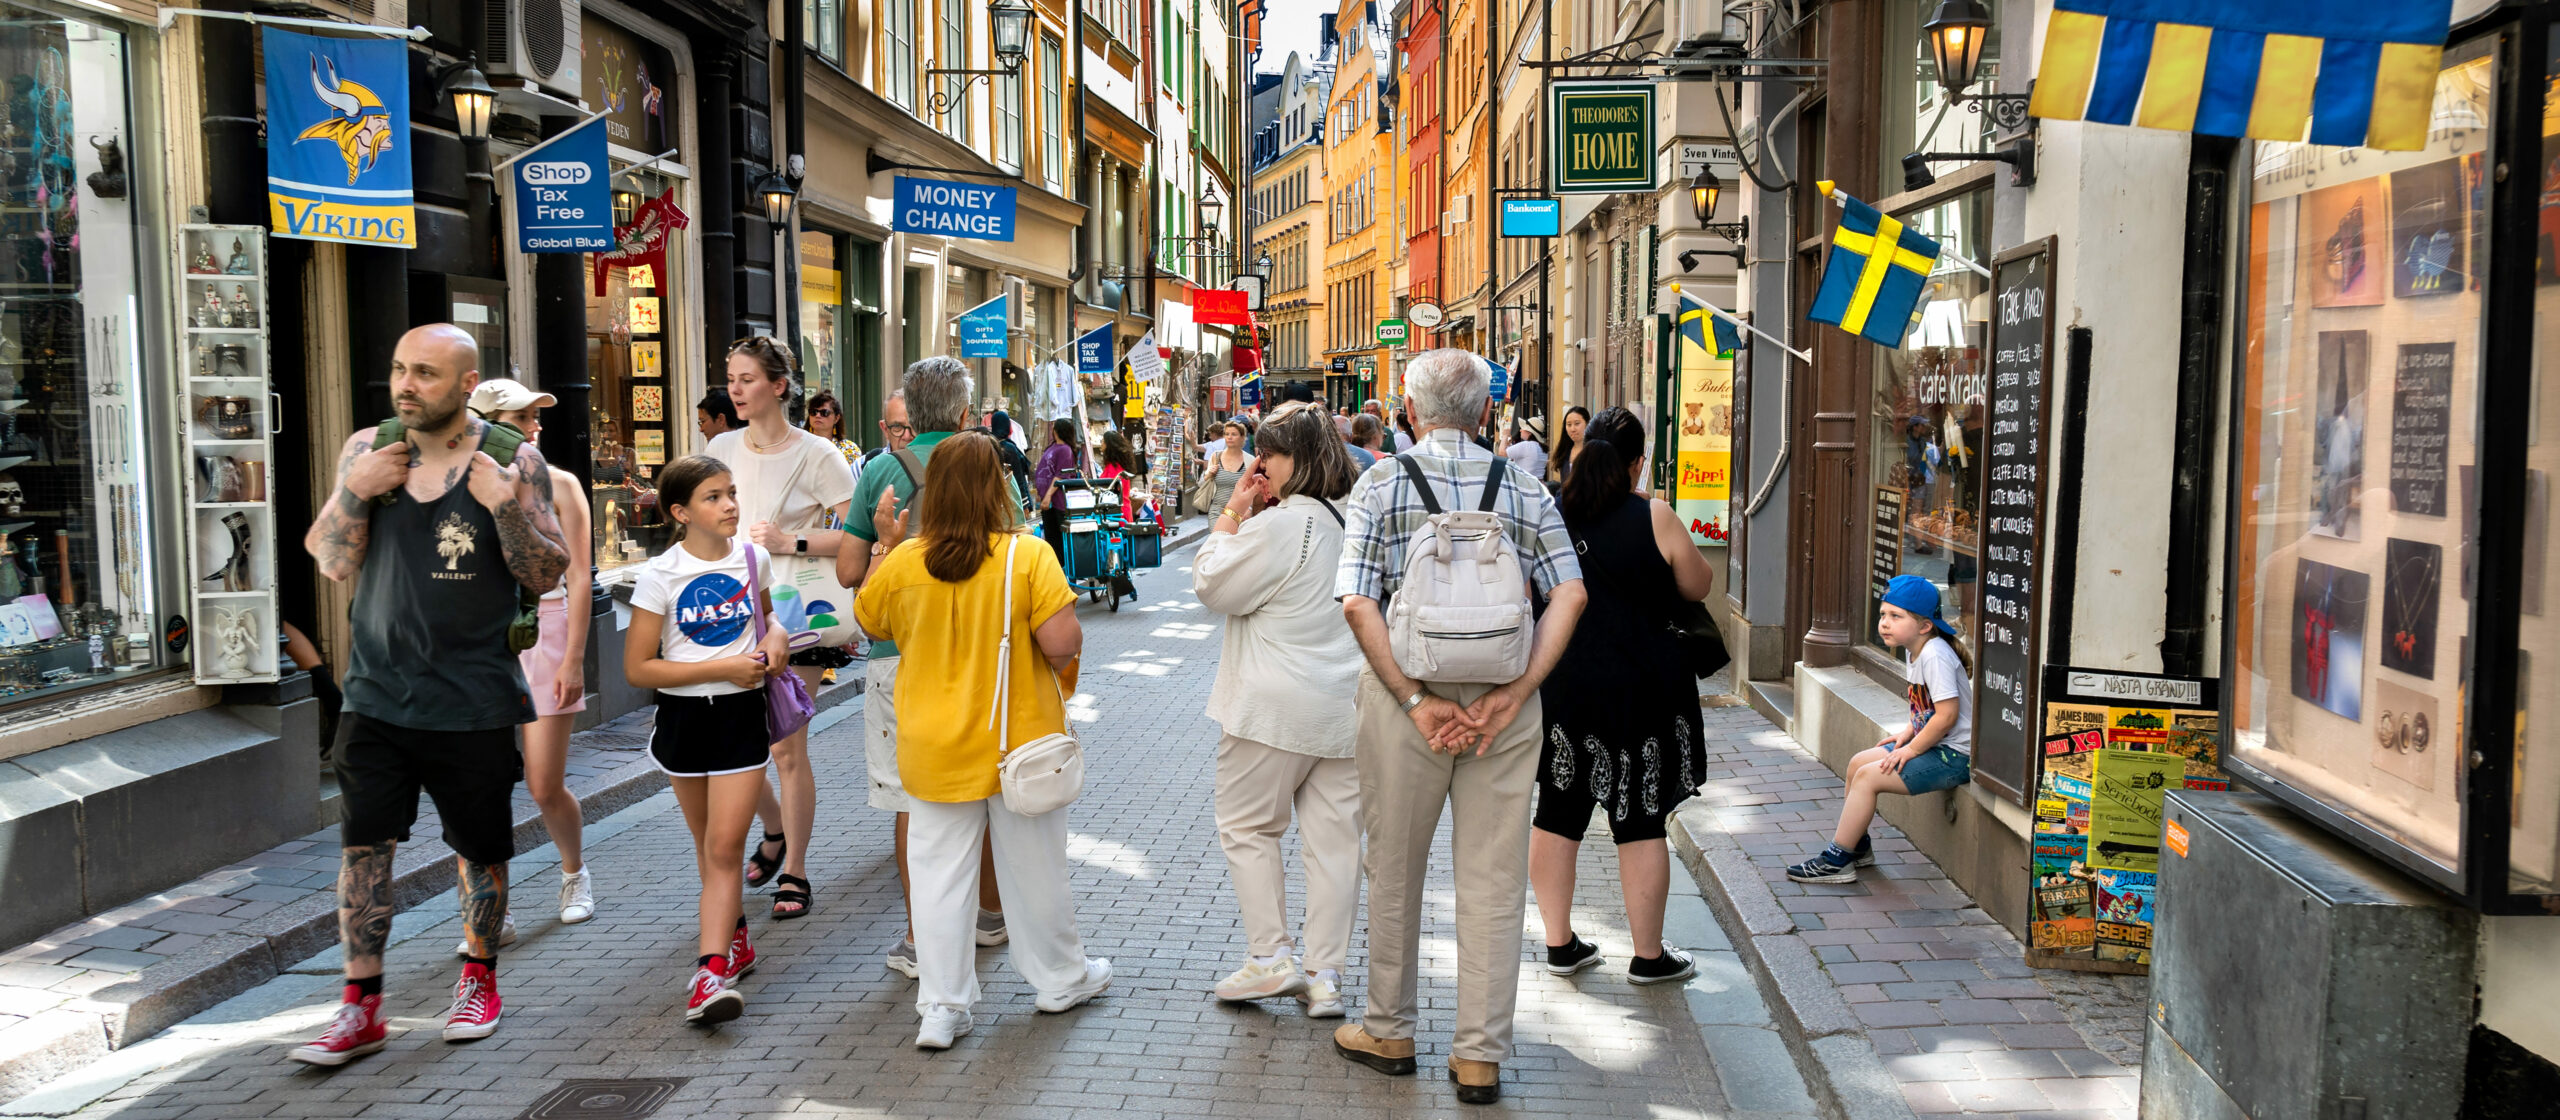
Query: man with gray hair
x,y
1473,746
937,391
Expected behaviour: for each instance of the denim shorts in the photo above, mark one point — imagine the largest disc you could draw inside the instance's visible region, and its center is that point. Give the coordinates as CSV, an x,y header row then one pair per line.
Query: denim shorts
x,y
1936,769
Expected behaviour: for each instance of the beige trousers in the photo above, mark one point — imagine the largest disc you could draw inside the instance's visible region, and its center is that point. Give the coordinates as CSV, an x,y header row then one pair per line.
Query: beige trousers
x,y
1402,786
1258,786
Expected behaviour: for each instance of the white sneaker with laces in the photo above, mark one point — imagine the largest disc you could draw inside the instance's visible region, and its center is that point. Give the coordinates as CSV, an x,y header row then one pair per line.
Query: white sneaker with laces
x,y
1257,980
506,937
1323,996
1097,976
577,897
943,1025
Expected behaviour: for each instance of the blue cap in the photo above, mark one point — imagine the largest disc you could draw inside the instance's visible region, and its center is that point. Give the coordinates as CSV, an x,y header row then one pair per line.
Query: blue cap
x,y
1918,596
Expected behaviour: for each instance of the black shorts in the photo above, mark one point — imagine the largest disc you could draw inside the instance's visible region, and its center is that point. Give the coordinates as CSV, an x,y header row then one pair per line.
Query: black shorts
x,y
471,775
699,736
1566,812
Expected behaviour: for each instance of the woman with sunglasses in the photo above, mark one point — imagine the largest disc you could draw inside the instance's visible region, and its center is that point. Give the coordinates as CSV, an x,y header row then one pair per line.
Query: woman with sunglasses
x,y
826,421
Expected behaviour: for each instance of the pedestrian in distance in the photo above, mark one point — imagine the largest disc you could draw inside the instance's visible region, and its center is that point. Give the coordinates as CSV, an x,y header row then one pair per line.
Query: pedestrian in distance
x,y
704,638
556,667
1229,465
1288,669
794,491
1455,536
895,431
1365,434
1528,449
716,414
437,536
826,421
1064,456
1568,443
1623,729
953,598
1017,465
1933,752
940,389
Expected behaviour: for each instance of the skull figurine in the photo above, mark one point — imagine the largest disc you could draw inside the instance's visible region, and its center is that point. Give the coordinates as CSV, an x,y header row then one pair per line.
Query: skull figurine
x,y
13,497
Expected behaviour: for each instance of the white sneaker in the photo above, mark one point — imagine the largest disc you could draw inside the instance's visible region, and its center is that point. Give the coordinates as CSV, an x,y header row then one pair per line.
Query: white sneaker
x,y
506,937
902,959
1257,980
990,929
1323,997
1097,976
941,1026
577,897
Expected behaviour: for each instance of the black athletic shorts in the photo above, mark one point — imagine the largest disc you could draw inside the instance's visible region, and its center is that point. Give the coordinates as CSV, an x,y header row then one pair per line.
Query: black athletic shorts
x,y
472,776
700,736
1567,813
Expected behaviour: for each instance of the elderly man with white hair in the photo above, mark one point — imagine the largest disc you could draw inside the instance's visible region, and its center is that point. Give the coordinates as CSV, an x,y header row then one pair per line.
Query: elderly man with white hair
x,y
1473,746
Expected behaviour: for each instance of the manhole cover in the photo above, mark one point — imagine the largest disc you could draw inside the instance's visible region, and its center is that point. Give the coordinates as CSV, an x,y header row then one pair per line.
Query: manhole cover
x,y
604,1100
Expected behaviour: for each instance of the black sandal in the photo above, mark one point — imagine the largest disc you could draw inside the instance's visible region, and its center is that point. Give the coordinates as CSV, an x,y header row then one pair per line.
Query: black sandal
x,y
760,867
784,895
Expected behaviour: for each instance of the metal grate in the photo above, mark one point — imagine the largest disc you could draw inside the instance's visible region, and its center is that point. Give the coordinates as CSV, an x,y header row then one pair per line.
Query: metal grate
x,y
628,1099
545,35
495,50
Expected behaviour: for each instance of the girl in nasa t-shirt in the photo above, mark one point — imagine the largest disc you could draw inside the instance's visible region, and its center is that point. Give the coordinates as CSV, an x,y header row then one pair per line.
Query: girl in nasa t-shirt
x,y
693,639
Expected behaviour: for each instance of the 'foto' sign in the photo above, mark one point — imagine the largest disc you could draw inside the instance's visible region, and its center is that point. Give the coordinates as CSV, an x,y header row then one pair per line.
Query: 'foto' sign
x,y
955,209
1603,137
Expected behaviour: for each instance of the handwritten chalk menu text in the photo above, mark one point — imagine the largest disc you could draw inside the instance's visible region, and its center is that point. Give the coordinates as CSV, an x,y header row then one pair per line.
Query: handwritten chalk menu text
x,y
1884,547
2012,518
2421,426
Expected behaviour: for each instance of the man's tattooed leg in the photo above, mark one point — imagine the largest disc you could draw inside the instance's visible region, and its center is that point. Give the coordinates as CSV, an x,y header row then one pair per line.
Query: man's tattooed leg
x,y
484,905
364,907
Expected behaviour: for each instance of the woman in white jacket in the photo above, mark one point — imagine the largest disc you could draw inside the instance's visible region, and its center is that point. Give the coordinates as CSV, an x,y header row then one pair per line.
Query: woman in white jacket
x,y
1287,674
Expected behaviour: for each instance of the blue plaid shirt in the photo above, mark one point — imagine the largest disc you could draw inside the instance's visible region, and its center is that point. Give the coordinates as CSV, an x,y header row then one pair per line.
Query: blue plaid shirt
x,y
1383,513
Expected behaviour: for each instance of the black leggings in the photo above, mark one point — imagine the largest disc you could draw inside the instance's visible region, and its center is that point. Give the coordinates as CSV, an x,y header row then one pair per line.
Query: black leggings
x,y
1053,525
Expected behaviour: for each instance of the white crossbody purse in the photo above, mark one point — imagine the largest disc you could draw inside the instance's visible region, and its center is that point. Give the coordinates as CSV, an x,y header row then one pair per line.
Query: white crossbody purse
x,y
1045,774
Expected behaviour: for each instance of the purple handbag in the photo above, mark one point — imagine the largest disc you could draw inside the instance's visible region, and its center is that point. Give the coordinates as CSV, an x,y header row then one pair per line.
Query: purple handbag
x,y
788,707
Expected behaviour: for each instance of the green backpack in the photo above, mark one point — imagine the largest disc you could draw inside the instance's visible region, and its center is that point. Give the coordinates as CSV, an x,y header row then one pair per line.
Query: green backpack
x,y
501,443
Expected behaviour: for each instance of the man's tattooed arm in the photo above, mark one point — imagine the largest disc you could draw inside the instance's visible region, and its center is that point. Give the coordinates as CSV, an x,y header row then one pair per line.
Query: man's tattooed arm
x,y
364,907
529,529
343,529
484,905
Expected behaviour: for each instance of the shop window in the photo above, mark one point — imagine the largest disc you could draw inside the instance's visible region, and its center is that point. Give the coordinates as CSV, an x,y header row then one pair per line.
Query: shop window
x,y
955,56
643,406
1925,427
898,57
2533,806
824,20
1053,118
2356,471
83,536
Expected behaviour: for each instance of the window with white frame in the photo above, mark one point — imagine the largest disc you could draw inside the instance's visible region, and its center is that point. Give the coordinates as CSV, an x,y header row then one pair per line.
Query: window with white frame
x,y
1053,121
1009,121
898,53
955,56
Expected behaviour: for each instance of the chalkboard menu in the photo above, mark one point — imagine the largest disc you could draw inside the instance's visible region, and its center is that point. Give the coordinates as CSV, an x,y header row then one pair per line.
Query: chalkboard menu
x,y
1884,545
2013,457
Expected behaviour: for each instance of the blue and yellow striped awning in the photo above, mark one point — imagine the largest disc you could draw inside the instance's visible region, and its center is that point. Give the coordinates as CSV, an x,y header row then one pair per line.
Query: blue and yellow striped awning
x,y
2356,72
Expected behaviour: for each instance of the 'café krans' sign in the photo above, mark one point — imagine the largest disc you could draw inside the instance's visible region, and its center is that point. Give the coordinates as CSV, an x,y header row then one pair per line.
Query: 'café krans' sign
x,y
1603,137
949,209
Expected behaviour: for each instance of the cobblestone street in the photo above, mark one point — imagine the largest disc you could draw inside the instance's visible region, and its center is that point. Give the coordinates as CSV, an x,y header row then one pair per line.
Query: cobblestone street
x,y
829,1029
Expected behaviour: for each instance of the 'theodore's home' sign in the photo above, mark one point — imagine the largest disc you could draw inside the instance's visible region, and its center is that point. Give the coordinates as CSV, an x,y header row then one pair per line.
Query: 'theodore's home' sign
x,y
1603,137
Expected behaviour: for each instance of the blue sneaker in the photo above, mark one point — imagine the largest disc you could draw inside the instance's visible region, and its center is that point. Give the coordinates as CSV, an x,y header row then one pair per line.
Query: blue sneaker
x,y
1865,856
1834,865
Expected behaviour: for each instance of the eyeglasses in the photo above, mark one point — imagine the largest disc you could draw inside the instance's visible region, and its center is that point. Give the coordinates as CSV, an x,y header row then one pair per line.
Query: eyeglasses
x,y
899,426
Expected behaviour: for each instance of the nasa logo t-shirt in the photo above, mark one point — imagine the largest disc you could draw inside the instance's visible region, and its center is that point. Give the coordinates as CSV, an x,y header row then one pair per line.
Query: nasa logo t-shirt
x,y
709,613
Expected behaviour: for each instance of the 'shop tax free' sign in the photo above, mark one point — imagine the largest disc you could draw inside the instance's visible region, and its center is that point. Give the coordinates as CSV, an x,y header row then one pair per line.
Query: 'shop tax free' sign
x,y
564,201
954,209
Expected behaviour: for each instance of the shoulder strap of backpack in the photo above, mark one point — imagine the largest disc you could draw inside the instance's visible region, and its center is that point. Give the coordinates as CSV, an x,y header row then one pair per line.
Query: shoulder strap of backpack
x,y
389,432
1421,485
914,467
500,442
1493,483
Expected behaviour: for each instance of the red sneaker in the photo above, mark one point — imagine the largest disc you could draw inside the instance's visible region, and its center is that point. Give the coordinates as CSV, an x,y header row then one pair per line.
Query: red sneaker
x,y
356,1032
742,955
711,999
475,1005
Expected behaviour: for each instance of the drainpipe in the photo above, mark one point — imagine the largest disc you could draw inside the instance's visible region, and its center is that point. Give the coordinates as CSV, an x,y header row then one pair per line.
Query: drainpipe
x,y
1075,165
795,143
2199,385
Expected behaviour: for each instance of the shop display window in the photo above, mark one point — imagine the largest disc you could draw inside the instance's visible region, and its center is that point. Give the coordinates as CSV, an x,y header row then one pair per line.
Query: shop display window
x,y
2533,804
84,541
1925,427
2356,516
840,327
642,414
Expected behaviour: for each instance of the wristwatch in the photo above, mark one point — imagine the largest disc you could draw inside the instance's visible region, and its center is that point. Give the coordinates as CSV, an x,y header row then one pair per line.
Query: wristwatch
x,y
1414,701
800,545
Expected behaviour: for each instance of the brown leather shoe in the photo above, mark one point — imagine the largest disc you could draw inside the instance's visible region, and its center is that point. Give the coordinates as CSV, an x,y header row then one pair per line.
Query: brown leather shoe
x,y
1392,1056
1477,1082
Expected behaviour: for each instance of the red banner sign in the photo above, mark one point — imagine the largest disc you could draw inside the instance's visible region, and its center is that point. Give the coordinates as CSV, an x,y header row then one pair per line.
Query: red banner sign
x,y
1219,307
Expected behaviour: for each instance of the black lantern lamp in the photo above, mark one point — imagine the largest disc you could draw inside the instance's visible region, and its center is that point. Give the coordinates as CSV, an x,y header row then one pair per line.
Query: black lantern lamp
x,y
626,205
1009,33
473,100
778,195
1705,192
1956,36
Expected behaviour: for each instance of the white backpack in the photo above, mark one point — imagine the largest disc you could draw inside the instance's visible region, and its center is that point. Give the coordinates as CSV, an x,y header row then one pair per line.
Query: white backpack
x,y
1462,614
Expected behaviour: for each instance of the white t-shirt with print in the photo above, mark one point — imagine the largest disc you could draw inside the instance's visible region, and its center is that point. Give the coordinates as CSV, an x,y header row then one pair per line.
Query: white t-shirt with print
x,y
1937,675
822,481
709,614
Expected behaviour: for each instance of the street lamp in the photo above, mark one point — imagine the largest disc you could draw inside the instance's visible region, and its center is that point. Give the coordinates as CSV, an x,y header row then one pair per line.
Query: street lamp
x,y
1009,24
1956,36
1704,192
472,99
778,197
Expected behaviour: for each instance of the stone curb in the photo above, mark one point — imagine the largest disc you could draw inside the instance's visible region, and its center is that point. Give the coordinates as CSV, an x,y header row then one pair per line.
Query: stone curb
x,y
1841,1068
170,992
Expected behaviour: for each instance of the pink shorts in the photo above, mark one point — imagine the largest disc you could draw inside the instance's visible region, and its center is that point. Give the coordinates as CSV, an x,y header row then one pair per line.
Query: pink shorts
x,y
542,662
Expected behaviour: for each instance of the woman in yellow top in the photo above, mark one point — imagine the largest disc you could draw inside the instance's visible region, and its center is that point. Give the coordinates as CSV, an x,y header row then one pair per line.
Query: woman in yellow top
x,y
941,597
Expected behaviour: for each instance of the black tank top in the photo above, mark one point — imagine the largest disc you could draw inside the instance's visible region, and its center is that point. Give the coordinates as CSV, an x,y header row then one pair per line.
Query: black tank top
x,y
432,606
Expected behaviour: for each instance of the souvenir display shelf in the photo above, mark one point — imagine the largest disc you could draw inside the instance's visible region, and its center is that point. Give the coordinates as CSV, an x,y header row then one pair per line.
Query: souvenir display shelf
x,y
230,417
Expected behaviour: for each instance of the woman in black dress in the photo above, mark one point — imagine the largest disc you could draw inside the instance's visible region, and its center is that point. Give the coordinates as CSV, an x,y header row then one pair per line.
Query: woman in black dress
x,y
1622,713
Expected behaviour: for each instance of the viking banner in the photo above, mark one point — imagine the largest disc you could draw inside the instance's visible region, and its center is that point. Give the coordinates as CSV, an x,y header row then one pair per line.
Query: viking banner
x,y
338,140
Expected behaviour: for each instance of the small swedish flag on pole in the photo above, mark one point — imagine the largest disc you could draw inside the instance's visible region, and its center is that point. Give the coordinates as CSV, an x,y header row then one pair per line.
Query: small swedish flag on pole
x,y
1871,284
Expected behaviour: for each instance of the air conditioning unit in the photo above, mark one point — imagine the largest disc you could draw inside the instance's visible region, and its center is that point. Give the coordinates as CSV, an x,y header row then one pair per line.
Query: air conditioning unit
x,y
1708,28
1462,208
536,42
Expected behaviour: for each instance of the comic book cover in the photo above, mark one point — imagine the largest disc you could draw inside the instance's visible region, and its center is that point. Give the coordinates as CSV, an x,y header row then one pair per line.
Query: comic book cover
x,y
2138,729
2071,731
2123,925
2197,737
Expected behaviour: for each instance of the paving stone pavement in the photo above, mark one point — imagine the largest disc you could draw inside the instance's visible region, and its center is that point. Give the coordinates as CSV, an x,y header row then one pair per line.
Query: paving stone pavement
x,y
1937,986
829,1029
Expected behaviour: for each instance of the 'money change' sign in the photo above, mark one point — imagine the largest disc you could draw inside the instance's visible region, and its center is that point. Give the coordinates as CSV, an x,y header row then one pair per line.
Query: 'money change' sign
x,y
954,209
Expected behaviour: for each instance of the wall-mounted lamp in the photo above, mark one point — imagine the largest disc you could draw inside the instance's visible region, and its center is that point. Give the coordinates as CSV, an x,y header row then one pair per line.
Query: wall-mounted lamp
x,y
1009,32
778,196
473,100
1956,36
2018,153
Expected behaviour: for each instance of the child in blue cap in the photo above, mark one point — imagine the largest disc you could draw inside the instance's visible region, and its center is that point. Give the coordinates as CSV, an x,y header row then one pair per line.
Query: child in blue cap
x,y
1934,752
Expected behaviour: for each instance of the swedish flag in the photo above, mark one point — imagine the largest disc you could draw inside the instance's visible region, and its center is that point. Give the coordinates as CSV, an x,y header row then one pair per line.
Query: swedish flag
x,y
2359,73
1871,284
1697,322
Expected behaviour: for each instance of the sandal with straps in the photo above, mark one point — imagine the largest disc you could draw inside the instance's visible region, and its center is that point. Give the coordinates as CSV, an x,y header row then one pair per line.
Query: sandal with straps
x,y
786,895
760,867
